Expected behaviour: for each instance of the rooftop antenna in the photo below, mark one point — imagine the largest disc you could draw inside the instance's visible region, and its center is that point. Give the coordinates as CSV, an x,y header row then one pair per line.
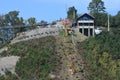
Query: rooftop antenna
x,y
108,23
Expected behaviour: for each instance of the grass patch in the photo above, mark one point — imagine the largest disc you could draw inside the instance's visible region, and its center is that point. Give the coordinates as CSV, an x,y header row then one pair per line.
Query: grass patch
x,y
62,32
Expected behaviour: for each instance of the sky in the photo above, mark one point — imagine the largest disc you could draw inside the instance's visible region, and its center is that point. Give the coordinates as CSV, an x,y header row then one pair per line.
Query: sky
x,y
50,10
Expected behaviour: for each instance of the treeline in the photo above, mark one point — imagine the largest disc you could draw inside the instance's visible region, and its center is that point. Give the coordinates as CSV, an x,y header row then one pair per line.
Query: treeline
x,y
102,18
115,20
102,55
12,19
9,21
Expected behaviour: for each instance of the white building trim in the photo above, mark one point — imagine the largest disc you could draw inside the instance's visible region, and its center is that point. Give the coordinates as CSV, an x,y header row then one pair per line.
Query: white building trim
x,y
84,21
85,26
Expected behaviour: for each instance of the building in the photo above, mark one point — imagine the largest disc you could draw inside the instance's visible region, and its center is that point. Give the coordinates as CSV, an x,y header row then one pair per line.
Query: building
x,y
85,24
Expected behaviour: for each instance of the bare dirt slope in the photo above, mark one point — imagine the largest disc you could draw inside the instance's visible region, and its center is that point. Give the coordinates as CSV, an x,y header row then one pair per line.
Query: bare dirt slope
x,y
71,65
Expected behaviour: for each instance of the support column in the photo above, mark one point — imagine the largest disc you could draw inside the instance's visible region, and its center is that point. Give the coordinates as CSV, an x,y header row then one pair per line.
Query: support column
x,y
83,28
93,30
89,30
78,24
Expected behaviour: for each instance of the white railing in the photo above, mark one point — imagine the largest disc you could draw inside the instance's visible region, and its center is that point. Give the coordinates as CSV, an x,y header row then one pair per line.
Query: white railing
x,y
86,21
85,26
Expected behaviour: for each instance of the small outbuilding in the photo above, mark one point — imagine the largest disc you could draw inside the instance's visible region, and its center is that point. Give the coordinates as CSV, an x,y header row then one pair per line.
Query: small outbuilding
x,y
85,23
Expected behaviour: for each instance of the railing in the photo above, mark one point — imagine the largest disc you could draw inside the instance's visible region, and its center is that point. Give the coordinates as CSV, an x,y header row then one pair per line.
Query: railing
x,y
85,26
86,21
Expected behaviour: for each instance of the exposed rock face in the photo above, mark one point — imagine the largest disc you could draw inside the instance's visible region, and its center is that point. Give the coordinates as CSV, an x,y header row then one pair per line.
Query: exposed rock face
x,y
8,63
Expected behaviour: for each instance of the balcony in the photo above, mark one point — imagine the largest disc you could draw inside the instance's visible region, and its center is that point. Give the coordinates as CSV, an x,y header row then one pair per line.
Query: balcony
x,y
86,21
85,26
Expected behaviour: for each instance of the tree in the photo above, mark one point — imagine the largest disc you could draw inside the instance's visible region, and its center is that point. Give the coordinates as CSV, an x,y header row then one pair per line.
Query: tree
x,y
1,20
72,13
100,19
102,56
117,19
97,9
96,6
32,22
112,21
12,18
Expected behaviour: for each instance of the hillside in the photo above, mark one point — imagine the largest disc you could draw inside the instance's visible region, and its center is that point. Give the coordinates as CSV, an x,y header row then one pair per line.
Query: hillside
x,y
36,61
47,58
102,56
57,58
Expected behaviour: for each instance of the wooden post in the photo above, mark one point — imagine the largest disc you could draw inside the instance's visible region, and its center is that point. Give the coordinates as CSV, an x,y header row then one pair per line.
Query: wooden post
x,y
66,29
73,35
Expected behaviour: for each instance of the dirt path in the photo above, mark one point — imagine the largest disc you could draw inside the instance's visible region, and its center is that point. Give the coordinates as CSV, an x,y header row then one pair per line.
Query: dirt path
x,y
71,67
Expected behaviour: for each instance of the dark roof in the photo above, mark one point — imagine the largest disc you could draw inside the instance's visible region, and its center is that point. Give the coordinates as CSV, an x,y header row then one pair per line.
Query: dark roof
x,y
89,16
86,14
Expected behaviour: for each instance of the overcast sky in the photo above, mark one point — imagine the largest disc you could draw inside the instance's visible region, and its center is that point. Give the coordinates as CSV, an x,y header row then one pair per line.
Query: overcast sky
x,y
50,10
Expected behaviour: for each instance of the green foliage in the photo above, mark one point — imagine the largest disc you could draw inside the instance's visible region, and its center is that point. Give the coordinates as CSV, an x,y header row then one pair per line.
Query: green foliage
x,y
62,32
96,6
117,19
72,13
1,20
36,65
102,54
32,22
37,58
97,9
12,19
100,19
4,44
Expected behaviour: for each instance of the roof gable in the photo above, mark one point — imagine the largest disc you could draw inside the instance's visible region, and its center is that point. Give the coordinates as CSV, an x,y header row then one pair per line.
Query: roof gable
x,y
85,17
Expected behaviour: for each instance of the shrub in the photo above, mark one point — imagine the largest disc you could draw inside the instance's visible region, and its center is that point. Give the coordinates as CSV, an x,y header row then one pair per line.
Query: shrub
x,y
102,54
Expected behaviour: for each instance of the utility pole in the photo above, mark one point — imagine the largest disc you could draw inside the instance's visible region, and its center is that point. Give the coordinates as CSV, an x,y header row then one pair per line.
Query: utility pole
x,y
65,22
73,22
108,23
73,16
